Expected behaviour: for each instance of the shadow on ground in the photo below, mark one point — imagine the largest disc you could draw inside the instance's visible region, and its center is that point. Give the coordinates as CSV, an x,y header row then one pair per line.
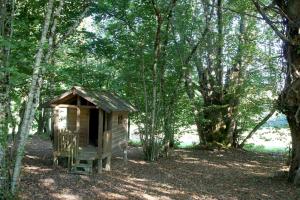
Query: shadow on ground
x,y
187,174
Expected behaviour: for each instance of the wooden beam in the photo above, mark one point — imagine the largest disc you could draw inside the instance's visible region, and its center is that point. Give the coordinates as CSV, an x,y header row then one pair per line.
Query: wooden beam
x,y
46,104
78,100
109,150
128,127
78,121
55,131
105,121
72,106
55,135
109,121
100,141
108,163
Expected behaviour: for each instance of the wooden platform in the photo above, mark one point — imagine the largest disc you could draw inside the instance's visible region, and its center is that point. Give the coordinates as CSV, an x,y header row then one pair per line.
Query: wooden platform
x,y
82,160
87,153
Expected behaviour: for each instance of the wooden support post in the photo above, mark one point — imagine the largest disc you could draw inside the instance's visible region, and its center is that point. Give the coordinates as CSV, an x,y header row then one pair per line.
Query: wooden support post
x,y
125,156
107,163
108,150
55,128
105,122
78,121
127,139
55,135
99,165
78,100
55,159
128,128
100,141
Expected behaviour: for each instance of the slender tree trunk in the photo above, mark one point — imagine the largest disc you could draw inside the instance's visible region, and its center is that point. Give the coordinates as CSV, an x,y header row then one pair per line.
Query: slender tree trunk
x,y
154,78
33,100
262,122
151,144
235,80
220,45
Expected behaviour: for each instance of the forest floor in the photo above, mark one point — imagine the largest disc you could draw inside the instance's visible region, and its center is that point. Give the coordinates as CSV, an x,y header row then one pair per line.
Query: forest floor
x,y
186,175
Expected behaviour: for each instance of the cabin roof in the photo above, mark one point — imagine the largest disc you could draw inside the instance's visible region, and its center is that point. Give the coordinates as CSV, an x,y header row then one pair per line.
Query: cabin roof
x,y
108,101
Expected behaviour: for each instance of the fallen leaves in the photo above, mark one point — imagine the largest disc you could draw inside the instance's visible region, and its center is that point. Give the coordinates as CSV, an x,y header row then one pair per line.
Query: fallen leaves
x,y
186,174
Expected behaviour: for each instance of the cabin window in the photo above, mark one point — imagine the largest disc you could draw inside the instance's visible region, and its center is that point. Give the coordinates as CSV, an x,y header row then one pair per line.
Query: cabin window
x,y
120,119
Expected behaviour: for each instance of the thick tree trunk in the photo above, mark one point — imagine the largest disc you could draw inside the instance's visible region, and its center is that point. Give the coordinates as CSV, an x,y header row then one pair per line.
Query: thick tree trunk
x,y
214,127
295,159
290,96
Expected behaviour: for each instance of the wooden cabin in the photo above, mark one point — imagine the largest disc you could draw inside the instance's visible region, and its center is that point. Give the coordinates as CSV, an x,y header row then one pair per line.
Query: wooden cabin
x,y
88,127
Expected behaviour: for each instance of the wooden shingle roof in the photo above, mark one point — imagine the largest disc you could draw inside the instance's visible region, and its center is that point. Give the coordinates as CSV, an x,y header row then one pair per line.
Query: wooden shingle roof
x,y
110,102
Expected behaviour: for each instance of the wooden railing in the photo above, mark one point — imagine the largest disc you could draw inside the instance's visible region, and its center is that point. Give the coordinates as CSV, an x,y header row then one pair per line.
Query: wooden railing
x,y
68,145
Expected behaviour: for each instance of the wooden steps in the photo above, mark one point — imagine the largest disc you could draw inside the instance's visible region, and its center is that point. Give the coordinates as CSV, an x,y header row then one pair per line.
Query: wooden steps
x,y
81,167
84,161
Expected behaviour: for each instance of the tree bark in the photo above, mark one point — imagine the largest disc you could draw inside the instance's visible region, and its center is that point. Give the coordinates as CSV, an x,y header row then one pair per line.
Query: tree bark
x,y
33,100
212,90
295,157
289,98
6,32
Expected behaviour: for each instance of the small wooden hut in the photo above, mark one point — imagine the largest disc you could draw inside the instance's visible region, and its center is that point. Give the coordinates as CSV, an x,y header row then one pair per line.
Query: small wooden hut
x,y
88,127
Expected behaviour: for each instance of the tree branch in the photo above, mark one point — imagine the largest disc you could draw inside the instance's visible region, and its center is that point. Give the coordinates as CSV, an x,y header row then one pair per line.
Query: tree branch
x,y
72,28
271,24
262,122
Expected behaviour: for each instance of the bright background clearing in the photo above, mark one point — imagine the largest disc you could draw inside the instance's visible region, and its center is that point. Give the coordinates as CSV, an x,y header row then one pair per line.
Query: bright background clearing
x,y
274,136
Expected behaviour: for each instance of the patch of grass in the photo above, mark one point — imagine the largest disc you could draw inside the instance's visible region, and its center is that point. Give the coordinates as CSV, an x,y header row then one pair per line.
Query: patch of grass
x,y
134,143
186,146
43,136
190,146
263,149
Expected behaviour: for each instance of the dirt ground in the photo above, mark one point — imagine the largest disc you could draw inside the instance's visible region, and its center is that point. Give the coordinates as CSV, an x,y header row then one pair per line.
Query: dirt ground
x,y
186,175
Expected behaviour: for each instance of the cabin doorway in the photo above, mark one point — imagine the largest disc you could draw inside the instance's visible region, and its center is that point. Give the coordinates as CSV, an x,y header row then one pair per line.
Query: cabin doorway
x,y
93,129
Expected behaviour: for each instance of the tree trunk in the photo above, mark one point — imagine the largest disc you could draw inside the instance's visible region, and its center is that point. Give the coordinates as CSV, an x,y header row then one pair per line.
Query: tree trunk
x,y
37,77
290,96
214,126
262,122
6,31
33,100
151,144
295,159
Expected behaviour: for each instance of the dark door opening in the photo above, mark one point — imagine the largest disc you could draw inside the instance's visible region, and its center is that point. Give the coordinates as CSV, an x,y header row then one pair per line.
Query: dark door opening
x,y
93,130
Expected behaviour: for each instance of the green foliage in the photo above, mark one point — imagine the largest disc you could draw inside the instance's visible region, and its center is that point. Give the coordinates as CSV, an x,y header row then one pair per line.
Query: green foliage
x,y
116,53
